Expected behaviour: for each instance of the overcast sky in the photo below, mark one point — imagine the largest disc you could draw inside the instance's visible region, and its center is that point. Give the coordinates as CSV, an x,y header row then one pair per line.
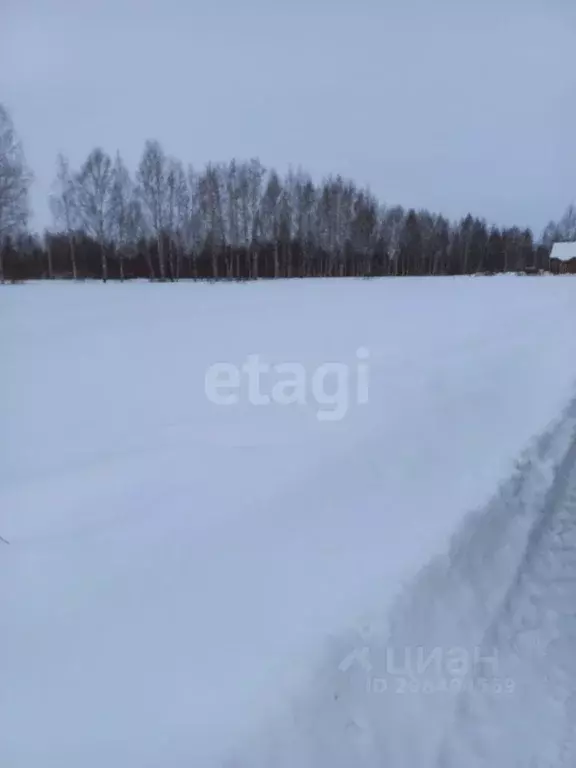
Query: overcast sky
x,y
452,105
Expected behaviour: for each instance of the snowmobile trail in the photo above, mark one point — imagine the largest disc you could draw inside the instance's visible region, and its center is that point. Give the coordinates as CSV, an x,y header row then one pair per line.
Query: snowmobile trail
x,y
474,665
507,649
535,634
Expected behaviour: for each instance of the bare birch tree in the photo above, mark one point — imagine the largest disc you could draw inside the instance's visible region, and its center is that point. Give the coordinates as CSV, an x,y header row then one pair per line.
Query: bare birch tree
x,y
64,206
152,178
271,217
94,185
211,206
177,211
194,233
15,180
125,217
183,213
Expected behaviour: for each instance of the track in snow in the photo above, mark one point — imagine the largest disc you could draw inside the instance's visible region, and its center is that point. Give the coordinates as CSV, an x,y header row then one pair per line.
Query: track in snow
x,y
475,665
535,634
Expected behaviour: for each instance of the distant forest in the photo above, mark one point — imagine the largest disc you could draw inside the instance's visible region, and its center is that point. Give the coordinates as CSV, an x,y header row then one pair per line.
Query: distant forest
x,y
237,221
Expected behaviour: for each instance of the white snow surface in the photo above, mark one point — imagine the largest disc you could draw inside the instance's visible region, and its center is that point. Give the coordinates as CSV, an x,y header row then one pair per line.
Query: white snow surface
x,y
184,579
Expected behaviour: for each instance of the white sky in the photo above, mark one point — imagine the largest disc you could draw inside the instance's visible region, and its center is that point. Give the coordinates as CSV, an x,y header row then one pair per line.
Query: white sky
x,y
452,105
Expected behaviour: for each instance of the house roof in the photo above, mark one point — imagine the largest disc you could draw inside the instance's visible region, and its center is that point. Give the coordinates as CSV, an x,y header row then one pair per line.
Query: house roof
x,y
563,251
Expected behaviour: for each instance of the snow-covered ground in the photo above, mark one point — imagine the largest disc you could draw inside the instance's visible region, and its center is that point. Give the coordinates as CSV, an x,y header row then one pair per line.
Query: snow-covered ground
x,y
184,578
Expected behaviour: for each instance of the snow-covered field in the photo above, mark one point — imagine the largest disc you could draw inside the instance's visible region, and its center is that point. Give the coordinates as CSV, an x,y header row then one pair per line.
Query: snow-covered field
x,y
184,578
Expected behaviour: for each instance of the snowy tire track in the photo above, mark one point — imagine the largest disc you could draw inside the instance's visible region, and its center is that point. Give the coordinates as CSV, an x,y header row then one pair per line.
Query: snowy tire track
x,y
535,630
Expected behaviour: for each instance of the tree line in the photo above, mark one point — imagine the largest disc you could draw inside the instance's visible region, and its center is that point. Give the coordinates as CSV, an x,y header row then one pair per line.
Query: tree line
x,y
236,221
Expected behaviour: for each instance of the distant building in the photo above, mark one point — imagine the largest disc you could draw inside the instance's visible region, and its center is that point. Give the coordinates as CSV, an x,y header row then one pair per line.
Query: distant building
x,y
563,258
